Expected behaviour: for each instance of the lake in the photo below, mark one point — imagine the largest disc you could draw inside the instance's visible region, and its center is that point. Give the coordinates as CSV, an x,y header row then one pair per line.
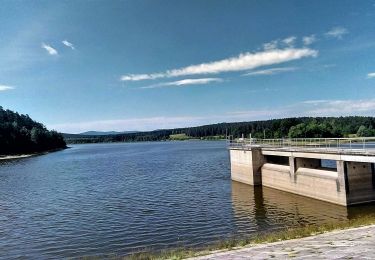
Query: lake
x,y
116,199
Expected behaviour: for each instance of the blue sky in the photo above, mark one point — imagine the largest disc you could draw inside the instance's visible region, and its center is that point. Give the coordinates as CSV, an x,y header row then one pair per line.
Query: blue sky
x,y
142,65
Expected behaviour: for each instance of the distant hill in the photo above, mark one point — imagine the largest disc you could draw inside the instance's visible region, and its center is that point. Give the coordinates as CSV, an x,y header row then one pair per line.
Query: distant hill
x,y
106,133
20,134
318,127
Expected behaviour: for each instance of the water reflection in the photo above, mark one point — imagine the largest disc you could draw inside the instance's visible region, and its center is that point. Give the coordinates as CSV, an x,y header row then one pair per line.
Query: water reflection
x,y
101,199
264,208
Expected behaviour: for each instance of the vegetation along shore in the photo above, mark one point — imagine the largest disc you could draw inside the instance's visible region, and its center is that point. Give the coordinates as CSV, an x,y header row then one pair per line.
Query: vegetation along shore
x,y
304,127
22,136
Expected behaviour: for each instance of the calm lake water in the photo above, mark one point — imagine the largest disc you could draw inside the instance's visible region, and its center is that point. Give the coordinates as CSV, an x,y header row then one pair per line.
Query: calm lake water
x,y
115,199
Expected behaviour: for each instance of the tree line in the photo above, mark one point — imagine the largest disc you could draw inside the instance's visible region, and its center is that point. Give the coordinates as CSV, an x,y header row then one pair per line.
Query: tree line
x,y
20,134
302,127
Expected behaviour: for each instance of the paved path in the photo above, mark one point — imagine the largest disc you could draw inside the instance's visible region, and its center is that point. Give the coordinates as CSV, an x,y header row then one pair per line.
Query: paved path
x,y
356,243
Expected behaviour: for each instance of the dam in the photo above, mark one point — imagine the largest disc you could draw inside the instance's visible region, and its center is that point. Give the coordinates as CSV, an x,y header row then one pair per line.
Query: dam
x,y
335,170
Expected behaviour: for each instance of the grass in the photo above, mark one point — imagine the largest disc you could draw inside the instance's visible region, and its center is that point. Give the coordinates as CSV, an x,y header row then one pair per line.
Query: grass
x,y
284,234
179,137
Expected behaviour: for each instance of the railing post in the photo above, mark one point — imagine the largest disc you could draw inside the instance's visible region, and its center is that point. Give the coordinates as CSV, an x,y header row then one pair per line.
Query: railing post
x,y
364,144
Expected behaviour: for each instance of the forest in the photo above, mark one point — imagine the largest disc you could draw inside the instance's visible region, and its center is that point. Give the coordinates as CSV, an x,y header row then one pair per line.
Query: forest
x,y
19,134
303,127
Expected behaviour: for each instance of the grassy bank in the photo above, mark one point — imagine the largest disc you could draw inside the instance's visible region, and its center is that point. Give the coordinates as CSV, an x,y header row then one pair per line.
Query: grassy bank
x,y
284,234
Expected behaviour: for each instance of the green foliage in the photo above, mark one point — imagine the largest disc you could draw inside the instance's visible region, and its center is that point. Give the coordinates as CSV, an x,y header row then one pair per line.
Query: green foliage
x,y
364,131
20,134
318,127
179,137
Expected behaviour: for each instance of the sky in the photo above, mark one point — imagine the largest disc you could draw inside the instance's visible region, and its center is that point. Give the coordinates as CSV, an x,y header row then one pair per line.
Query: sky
x,y
143,65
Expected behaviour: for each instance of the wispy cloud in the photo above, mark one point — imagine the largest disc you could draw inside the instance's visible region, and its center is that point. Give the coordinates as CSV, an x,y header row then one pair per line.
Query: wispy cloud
x,y
340,107
184,82
371,75
275,44
290,41
50,49
271,45
270,71
138,77
315,102
5,87
337,32
244,61
68,44
307,40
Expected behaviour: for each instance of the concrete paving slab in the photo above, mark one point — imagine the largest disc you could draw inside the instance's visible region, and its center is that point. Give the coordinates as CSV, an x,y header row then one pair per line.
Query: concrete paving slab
x,y
355,243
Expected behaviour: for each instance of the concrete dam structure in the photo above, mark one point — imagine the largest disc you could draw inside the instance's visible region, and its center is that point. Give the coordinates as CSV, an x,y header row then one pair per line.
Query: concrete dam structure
x,y
340,171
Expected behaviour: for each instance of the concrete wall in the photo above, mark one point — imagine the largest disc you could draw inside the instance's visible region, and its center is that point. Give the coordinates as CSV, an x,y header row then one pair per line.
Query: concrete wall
x,y
360,182
246,165
352,182
313,183
307,163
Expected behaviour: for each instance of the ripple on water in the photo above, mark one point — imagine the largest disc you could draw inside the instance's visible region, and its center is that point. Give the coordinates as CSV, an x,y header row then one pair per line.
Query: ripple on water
x,y
103,199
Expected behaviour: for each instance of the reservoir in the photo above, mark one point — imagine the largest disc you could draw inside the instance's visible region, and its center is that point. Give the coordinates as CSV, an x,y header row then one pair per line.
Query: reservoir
x,y
116,199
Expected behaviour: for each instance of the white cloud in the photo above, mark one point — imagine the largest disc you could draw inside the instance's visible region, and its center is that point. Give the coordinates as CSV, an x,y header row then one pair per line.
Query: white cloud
x,y
5,87
371,75
337,32
270,71
49,49
184,82
307,40
315,102
271,45
137,77
340,107
244,61
289,41
68,44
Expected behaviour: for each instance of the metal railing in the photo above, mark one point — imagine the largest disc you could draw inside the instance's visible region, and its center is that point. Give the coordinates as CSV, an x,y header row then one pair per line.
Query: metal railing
x,y
360,144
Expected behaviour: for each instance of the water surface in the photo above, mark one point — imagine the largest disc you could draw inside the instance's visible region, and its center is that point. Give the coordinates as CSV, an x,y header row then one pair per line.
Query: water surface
x,y
115,199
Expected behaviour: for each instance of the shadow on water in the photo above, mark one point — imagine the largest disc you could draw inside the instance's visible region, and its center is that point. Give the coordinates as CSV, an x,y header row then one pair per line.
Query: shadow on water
x,y
269,209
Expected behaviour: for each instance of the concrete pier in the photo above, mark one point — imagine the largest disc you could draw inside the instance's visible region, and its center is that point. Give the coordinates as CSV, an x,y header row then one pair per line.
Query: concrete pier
x,y
325,169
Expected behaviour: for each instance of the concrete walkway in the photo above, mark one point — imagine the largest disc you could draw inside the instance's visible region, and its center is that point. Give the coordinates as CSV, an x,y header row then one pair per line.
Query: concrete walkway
x,y
356,243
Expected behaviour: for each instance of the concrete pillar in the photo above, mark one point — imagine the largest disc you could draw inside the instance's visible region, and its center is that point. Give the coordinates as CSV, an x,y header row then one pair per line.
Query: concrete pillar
x,y
246,166
360,182
342,177
293,168
258,161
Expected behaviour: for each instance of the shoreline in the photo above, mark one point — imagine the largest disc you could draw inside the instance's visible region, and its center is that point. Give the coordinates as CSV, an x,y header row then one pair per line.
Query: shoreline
x,y
13,157
350,243
154,141
228,248
22,156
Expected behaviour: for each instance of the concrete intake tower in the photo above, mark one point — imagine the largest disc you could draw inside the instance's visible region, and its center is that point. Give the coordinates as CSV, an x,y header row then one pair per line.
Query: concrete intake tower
x,y
338,170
